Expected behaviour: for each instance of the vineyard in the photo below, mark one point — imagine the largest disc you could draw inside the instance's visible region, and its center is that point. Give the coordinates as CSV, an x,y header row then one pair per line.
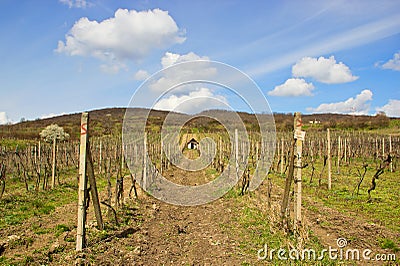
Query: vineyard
x,y
349,180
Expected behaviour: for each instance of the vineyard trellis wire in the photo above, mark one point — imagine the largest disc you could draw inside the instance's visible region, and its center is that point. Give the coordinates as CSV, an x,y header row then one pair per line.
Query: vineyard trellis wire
x,y
353,153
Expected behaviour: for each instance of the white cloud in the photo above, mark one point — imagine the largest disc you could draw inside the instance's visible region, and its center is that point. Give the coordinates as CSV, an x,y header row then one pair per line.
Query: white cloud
x,y
194,102
392,108
201,70
170,58
324,70
129,35
141,75
358,105
293,87
76,3
393,63
4,118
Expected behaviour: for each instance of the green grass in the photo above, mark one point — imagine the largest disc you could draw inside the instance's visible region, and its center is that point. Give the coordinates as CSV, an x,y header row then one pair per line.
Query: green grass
x,y
61,228
389,244
253,225
384,207
21,205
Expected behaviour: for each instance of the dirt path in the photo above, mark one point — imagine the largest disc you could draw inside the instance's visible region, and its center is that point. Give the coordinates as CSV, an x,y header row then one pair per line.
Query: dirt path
x,y
156,233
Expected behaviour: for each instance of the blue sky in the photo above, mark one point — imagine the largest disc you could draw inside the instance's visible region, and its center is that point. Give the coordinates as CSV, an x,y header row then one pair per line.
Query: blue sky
x,y
310,56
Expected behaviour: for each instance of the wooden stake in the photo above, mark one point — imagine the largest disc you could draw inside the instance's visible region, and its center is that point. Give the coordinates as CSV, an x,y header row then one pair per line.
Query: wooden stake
x,y
82,192
161,155
329,160
144,182
40,158
345,150
299,138
93,189
338,155
282,151
390,153
53,168
100,157
288,183
236,154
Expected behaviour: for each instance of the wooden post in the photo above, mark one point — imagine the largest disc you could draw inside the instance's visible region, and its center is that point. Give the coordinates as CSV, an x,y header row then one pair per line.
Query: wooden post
x,y
82,192
220,154
53,168
122,160
383,148
345,151
236,154
93,189
35,154
288,183
329,160
338,155
282,151
299,138
100,157
145,161
390,153
161,155
40,158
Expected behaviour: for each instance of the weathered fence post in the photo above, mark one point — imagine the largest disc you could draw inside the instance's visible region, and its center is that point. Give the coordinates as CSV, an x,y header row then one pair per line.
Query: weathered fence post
x,y
40,158
82,192
100,157
282,151
93,189
299,138
288,183
53,167
329,160
144,176
390,153
338,154
236,154
161,155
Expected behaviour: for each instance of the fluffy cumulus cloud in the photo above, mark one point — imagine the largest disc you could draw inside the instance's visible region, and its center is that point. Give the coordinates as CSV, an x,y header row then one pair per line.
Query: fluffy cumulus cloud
x,y
193,102
76,3
202,70
325,70
141,75
359,105
393,63
4,118
129,35
170,58
392,108
293,87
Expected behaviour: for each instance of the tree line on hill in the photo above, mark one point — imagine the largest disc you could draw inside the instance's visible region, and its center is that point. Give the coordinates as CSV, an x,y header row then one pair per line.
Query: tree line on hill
x,y
109,121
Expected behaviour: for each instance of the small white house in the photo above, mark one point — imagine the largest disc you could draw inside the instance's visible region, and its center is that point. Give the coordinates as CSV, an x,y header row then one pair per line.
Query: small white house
x,y
193,144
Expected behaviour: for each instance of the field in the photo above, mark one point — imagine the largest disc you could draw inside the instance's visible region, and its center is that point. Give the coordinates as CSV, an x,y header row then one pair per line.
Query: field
x,y
38,216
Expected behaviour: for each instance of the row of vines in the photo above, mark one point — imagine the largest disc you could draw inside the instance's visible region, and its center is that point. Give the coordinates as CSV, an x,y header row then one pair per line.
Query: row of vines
x,y
35,164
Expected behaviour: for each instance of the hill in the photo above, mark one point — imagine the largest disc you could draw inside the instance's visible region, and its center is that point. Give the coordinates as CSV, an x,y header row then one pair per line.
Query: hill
x,y
109,121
